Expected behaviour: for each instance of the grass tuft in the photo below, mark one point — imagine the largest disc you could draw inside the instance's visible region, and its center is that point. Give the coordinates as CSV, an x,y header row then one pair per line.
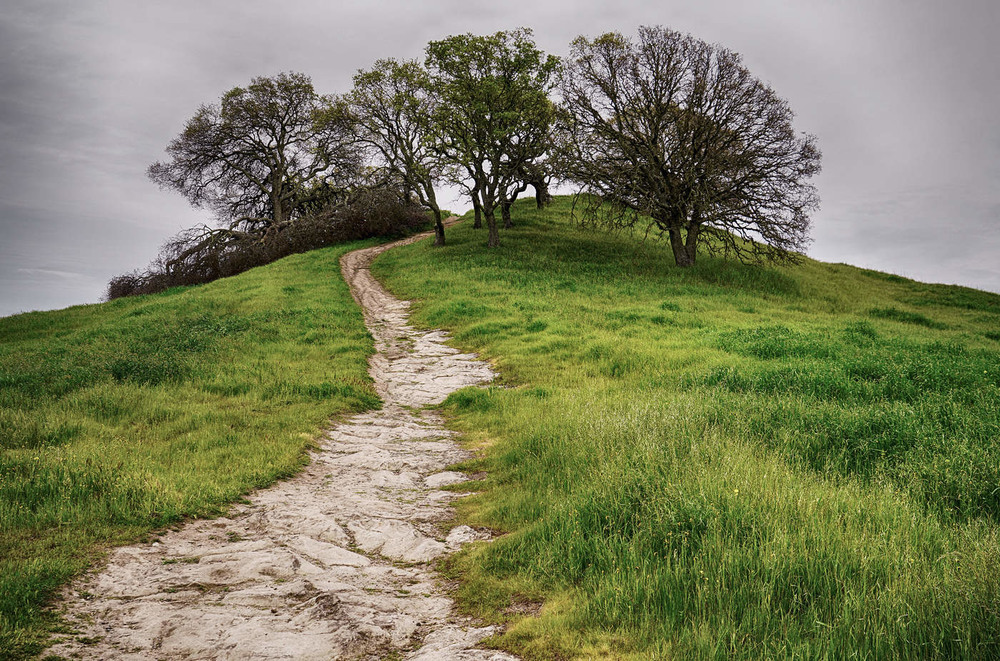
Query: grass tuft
x,y
905,317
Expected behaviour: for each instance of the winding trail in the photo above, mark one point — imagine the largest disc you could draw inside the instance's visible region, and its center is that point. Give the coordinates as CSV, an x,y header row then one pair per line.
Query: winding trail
x,y
330,564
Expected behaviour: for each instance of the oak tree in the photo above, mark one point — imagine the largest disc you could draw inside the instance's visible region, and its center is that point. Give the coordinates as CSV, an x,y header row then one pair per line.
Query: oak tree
x,y
392,105
669,128
493,113
257,157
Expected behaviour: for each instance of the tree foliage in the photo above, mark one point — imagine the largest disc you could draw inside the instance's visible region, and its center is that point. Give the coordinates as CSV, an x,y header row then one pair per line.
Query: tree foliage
x,y
283,169
257,156
663,127
674,129
393,105
493,114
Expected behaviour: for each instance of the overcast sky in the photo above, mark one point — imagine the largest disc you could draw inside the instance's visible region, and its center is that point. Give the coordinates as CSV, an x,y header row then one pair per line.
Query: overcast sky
x,y
903,97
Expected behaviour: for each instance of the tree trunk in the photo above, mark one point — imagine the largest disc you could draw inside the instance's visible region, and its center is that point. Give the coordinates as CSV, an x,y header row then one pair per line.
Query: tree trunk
x,y
691,244
278,216
542,196
491,222
681,256
438,228
431,201
478,208
505,214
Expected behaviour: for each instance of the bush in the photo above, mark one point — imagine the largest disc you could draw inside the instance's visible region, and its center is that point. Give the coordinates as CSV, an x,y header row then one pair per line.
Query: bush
x,y
203,254
127,284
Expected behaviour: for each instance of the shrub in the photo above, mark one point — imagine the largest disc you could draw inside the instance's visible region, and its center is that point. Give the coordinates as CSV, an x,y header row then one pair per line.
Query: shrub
x,y
127,284
203,254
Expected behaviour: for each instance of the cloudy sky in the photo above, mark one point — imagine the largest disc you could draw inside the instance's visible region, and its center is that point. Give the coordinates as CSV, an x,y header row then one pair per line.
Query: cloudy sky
x,y
902,95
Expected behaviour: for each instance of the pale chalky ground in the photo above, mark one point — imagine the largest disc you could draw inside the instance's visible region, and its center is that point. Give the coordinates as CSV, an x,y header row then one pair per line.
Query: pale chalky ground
x,y
331,564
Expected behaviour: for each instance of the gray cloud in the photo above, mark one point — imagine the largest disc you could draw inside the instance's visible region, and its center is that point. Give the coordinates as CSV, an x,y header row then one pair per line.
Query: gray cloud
x,y
900,94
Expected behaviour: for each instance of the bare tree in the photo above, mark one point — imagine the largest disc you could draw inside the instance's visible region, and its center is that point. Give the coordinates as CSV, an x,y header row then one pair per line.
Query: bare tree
x,y
392,106
255,157
669,128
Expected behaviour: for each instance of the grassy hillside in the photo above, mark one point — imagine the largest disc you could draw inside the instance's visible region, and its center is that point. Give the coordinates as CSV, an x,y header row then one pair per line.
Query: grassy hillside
x,y
119,418
722,462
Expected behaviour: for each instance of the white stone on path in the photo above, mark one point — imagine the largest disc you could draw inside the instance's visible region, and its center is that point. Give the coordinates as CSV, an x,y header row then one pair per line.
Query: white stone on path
x,y
333,563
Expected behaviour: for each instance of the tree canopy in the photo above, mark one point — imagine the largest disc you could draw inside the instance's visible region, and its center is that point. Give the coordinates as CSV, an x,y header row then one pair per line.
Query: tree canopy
x,y
663,129
393,105
283,169
670,128
261,152
493,114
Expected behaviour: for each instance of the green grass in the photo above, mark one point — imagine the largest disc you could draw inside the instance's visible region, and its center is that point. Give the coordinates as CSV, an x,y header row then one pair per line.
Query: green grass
x,y
719,462
121,418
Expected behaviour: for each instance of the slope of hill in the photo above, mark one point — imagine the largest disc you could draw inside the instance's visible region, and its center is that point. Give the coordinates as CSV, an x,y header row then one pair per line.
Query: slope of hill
x,y
726,461
721,462
119,418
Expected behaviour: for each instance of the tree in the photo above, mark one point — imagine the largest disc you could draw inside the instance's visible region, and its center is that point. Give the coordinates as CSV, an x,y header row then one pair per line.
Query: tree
x,y
257,156
539,176
670,128
392,106
493,113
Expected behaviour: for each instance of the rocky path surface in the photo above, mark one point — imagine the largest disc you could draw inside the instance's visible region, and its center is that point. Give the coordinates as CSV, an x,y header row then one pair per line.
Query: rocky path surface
x,y
331,564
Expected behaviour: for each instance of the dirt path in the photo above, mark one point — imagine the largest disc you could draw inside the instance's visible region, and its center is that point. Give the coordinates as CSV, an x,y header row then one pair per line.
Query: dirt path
x,y
330,564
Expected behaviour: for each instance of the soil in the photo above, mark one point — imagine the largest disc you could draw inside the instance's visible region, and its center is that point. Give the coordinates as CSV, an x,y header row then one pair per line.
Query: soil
x,y
333,563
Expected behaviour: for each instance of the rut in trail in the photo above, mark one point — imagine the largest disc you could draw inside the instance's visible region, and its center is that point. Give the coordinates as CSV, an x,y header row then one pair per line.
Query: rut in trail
x,y
332,563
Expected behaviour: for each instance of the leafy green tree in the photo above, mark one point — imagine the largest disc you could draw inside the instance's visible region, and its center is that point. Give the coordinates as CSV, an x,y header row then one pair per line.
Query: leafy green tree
x,y
256,156
393,106
671,128
493,114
